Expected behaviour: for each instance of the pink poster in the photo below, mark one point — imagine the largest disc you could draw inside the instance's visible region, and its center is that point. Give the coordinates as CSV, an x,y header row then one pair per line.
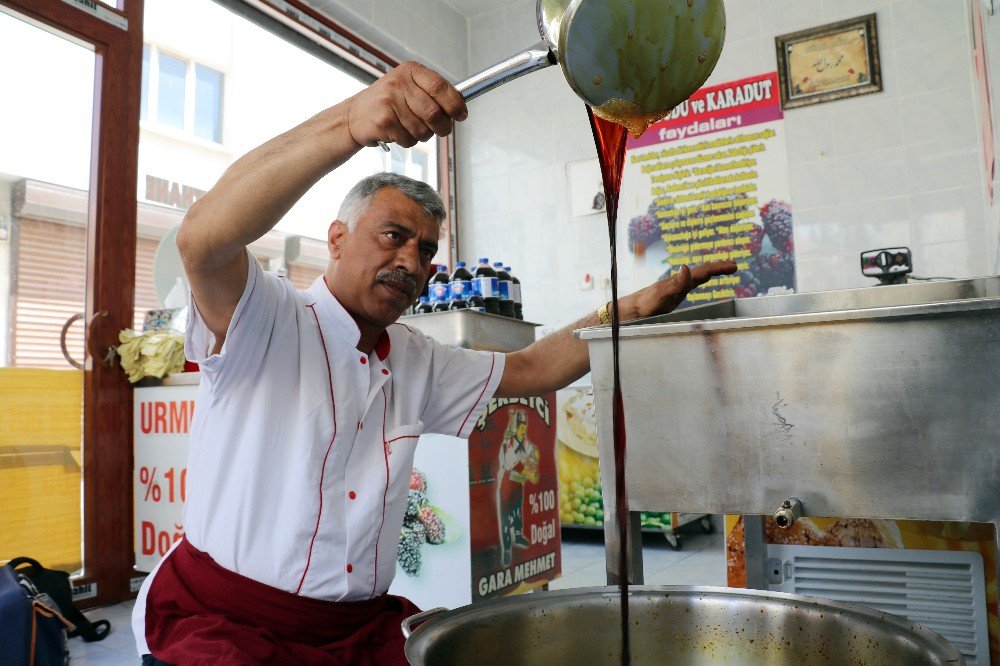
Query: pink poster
x,y
985,103
709,183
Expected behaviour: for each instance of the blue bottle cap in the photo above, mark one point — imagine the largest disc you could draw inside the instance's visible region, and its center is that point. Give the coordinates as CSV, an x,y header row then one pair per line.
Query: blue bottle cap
x,y
442,269
484,260
424,299
459,264
497,264
507,268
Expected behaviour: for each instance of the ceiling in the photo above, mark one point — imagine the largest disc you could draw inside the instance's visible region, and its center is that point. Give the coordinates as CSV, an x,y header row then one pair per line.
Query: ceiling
x,y
470,8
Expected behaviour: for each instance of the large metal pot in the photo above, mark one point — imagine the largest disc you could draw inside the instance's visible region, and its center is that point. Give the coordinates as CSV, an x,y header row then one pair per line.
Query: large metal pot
x,y
671,625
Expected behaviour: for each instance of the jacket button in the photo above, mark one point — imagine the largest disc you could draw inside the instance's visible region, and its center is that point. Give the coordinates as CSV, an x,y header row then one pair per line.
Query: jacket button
x,y
352,494
349,568
363,360
384,371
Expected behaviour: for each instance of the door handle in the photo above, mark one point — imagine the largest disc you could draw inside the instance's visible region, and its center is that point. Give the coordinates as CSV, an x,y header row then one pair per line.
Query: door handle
x,y
89,337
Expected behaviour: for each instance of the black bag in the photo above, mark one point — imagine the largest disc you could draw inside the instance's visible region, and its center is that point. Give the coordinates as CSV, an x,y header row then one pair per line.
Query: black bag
x,y
56,585
32,633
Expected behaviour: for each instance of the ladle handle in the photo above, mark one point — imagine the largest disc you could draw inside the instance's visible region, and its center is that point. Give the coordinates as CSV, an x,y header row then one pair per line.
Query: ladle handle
x,y
537,57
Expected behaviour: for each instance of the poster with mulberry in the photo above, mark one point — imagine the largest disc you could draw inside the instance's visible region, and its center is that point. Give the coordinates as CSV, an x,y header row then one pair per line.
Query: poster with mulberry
x,y
432,565
513,497
709,183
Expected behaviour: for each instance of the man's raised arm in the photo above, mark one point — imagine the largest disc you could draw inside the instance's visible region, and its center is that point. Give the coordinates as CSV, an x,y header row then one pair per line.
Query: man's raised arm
x,y
559,359
409,104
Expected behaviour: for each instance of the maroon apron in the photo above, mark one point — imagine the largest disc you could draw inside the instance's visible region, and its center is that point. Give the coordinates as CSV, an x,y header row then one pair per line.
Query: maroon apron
x,y
198,612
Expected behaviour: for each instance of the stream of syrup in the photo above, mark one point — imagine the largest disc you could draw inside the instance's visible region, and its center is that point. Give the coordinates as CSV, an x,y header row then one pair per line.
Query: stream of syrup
x,y
610,140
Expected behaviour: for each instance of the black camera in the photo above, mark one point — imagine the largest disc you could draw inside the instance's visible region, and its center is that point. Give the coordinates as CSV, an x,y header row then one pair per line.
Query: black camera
x,y
889,265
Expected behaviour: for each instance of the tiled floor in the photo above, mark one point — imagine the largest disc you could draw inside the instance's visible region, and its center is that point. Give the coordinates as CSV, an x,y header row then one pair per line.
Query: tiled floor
x,y
117,649
701,561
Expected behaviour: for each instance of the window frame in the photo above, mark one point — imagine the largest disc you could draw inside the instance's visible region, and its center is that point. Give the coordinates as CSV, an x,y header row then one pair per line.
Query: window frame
x,y
151,105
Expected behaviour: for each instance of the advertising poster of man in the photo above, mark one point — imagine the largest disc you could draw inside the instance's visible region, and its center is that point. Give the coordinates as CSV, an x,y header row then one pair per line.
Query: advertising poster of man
x,y
518,467
513,489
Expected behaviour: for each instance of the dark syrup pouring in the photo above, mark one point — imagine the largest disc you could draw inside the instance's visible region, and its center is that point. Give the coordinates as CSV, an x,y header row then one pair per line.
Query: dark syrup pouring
x,y
610,140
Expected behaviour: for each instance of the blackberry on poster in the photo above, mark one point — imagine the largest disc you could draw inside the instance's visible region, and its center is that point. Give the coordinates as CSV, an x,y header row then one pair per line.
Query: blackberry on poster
x,y
422,523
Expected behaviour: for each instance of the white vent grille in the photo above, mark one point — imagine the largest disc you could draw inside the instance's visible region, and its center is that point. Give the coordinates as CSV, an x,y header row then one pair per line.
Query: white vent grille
x,y
942,590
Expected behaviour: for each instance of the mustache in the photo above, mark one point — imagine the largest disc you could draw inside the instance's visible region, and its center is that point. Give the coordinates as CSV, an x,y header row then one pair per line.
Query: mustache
x,y
393,277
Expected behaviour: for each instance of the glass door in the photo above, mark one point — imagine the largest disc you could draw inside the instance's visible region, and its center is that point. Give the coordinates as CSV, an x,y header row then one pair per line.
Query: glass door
x,y
45,165
69,125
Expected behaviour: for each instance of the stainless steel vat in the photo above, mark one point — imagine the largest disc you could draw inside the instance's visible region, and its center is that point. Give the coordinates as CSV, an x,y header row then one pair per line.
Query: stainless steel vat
x,y
673,625
881,402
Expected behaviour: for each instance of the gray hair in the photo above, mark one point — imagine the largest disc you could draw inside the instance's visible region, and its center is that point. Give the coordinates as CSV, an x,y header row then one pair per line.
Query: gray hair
x,y
361,194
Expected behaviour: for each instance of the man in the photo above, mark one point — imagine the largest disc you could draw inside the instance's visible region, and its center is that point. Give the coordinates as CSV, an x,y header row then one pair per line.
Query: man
x,y
518,465
311,403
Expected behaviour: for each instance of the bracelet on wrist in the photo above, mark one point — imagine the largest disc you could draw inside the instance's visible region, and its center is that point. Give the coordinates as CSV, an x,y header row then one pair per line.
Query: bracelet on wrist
x,y
604,315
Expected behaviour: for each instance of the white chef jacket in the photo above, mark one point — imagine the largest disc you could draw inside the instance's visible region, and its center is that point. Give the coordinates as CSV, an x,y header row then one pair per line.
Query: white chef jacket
x,y
301,446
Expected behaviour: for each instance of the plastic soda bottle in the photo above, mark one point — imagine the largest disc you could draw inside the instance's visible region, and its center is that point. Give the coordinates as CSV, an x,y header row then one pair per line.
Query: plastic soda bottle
x,y
438,287
515,293
506,287
424,306
485,283
461,282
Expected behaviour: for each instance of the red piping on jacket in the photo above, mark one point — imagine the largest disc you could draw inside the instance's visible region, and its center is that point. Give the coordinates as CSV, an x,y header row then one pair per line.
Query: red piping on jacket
x,y
385,494
471,409
322,474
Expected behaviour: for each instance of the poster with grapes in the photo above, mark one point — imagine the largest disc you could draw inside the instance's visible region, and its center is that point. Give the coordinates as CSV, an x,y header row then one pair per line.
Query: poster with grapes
x,y
709,183
581,501
514,522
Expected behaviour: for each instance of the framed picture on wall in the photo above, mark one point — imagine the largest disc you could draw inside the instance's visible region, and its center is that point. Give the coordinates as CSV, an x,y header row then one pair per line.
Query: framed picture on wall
x,y
829,62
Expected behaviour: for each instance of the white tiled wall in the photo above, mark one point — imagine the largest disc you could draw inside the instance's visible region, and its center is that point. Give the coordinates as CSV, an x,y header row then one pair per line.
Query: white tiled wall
x,y
901,167
430,31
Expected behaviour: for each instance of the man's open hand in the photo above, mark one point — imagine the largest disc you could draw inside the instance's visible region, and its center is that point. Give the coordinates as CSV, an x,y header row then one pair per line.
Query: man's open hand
x,y
666,294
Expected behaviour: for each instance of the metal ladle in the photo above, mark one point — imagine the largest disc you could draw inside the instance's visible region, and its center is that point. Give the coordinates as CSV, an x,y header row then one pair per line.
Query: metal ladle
x,y
631,60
